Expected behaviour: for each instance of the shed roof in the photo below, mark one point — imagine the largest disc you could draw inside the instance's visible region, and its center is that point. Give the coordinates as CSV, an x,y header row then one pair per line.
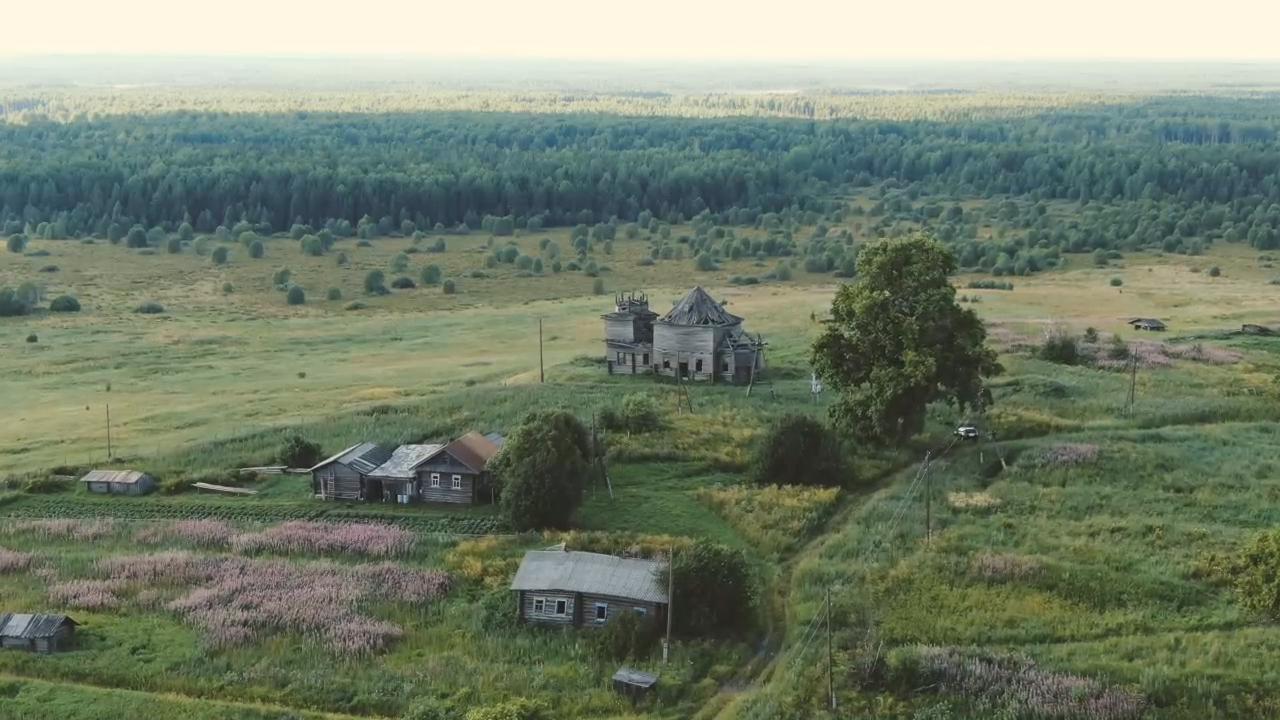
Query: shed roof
x,y
594,573
1149,322
698,308
122,477
404,461
635,677
473,450
497,439
29,626
363,458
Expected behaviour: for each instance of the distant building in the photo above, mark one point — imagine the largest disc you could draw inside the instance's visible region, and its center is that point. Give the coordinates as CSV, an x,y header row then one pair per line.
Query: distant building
x,y
37,632
568,588
124,482
457,472
697,340
1149,324
343,476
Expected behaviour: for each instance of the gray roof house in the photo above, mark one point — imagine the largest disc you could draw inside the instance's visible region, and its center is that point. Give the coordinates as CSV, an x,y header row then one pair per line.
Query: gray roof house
x,y
37,632
343,475
1151,324
696,340
125,482
569,588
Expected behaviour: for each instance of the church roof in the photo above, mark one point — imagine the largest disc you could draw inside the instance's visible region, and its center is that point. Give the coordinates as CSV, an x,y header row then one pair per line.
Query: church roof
x,y
698,308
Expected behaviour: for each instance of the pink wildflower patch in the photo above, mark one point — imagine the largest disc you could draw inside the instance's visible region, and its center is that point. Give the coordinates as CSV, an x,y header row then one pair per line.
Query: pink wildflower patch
x,y
13,560
301,536
71,529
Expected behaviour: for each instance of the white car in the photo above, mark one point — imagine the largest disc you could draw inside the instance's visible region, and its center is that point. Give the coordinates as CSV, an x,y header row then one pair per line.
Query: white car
x,y
967,432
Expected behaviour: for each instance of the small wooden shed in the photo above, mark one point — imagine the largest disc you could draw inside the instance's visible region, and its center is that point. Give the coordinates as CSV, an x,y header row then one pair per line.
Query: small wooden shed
x,y
43,633
633,684
1148,324
344,475
124,482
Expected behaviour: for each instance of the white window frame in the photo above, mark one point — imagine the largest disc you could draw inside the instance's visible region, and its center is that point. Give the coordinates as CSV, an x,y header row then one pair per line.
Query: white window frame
x,y
602,616
562,607
435,480
457,482
539,606
640,611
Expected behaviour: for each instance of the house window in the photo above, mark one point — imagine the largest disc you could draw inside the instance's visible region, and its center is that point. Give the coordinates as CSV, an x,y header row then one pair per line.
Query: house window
x,y
435,480
622,358
602,612
724,365
539,606
666,364
646,359
640,611
457,482
697,365
562,607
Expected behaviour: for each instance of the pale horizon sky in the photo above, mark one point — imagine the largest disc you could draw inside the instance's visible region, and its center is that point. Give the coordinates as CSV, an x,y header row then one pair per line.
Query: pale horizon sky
x,y
657,29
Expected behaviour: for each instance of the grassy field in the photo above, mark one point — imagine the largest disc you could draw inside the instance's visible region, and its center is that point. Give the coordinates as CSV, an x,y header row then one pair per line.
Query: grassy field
x,y
1087,568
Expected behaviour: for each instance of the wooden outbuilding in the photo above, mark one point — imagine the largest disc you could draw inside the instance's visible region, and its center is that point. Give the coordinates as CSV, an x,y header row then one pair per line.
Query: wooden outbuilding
x,y
1148,324
43,633
343,476
581,589
633,684
124,482
696,340
459,472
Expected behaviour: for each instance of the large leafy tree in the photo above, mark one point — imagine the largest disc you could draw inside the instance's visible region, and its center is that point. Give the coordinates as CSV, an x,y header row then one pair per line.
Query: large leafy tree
x,y
897,341
542,470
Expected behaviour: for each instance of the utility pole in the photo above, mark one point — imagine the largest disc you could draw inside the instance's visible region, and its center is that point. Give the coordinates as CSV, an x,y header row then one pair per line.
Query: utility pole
x,y
671,588
542,371
831,686
928,505
108,433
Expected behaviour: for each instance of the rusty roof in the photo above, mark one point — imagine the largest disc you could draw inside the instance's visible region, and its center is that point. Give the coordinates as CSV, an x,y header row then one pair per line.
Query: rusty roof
x,y
473,450
122,477
29,626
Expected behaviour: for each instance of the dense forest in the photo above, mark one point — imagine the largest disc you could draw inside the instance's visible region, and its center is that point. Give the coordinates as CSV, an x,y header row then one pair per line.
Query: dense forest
x,y
1173,173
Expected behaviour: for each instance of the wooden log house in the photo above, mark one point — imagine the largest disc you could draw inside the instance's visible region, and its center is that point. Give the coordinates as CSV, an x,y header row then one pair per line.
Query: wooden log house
x,y
581,589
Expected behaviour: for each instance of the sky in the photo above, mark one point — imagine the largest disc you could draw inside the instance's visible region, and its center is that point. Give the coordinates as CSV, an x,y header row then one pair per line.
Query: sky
x,y
666,29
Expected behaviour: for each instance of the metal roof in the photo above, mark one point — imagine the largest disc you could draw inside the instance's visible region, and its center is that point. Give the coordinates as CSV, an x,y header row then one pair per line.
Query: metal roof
x,y
121,477
363,458
1152,322
29,626
697,308
497,439
404,461
635,677
593,573
473,450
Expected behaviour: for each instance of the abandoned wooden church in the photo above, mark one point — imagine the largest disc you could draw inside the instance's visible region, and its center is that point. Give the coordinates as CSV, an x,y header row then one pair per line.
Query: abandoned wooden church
x,y
696,340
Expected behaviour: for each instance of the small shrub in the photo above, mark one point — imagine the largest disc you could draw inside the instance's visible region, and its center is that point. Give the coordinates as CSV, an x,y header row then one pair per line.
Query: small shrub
x,y
799,450
296,296
33,338
173,246
64,304
364,244
626,634
719,589
450,287
990,285
150,307
257,249
400,263
430,275
783,272
375,283
17,243
355,305
639,413
705,262
597,286
299,452
281,278
1214,271
1060,348
479,275
1090,335
556,266
404,283
645,261
333,294
50,269
1116,282
341,258
219,256
227,288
